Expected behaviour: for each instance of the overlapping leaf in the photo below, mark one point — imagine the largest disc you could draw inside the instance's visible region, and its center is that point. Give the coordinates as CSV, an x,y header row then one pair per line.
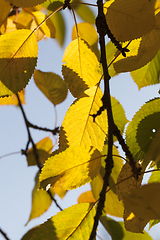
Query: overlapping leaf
x,y
18,57
142,203
74,223
149,74
86,197
24,3
12,100
71,168
142,129
52,85
148,49
80,59
129,19
78,125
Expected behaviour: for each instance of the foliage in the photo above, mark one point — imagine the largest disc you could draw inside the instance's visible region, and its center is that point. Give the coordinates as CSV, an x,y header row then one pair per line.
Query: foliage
x,y
86,151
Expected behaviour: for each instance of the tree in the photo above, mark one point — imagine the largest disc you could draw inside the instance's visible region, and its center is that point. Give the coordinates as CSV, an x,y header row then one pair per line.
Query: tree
x,y
95,122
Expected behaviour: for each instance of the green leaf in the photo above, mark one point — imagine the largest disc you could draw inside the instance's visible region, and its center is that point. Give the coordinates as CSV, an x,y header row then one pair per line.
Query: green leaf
x,y
52,5
149,74
142,129
52,85
74,223
18,54
71,168
118,232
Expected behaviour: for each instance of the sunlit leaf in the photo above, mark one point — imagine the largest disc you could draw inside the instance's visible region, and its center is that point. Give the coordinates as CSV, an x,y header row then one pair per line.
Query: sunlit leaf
x,y
12,100
52,85
59,191
79,58
41,201
24,3
149,74
142,129
129,19
117,230
78,124
75,222
86,197
44,148
142,203
18,54
80,166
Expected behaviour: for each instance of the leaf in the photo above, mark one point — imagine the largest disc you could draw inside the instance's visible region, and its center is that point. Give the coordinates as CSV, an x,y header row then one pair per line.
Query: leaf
x,y
118,232
41,201
59,191
149,74
79,57
129,19
71,168
153,223
141,130
52,5
12,100
85,13
44,148
18,54
4,11
60,27
75,222
83,30
86,197
78,125
113,206
24,3
126,181
148,49
52,86
47,27
142,203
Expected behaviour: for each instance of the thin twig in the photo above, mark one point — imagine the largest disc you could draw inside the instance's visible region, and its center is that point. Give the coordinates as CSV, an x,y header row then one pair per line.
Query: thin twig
x,y
4,234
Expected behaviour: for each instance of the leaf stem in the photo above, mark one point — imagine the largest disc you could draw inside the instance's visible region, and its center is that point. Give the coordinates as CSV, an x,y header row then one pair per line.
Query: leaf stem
x,y
4,234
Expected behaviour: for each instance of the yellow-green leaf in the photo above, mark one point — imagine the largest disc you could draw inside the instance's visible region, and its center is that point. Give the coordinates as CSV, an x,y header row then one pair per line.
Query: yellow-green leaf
x,y
79,58
18,54
74,223
85,13
24,3
149,74
44,148
129,19
71,168
144,201
52,85
142,129
78,125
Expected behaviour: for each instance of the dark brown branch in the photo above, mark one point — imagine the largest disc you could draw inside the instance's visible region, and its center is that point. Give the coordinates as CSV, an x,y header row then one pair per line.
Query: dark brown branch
x,y
53,199
100,22
4,234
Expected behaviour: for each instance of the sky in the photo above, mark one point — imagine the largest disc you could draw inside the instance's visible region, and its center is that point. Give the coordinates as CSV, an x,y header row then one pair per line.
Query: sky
x,y
16,178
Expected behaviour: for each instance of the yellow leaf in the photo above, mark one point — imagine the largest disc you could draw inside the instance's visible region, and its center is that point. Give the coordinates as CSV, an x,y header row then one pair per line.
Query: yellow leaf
x,y
38,33
79,58
47,27
24,3
128,19
78,125
44,148
4,10
126,181
12,100
86,197
71,168
144,201
59,191
148,49
52,85
18,56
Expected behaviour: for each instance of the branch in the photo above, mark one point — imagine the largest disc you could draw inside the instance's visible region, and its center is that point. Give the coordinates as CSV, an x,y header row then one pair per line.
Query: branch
x,y
4,234
100,23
